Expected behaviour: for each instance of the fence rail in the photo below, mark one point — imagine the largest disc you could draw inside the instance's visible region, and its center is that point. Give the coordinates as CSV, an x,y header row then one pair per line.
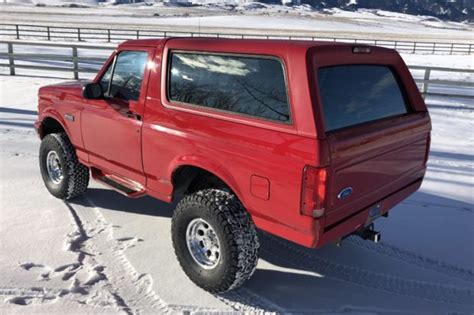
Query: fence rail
x,y
81,58
87,34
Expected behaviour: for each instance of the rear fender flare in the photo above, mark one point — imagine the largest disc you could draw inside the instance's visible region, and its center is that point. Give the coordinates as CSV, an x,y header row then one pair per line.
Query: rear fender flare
x,y
209,165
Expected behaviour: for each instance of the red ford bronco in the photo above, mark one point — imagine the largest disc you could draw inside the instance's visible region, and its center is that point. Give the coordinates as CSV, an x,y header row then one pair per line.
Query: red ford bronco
x,y
310,141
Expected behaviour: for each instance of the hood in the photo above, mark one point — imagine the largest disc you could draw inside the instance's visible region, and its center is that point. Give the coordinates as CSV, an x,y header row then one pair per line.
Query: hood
x,y
68,87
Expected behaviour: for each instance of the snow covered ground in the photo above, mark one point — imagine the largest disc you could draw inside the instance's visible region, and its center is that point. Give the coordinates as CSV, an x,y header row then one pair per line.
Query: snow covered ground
x,y
106,254
246,18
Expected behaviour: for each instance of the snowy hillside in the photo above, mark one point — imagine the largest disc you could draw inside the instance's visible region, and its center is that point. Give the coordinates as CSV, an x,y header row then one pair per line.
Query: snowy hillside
x,y
456,10
249,18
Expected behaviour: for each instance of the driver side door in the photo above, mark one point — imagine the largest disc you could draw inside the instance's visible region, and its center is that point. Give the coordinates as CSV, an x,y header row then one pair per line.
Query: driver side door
x,y
111,125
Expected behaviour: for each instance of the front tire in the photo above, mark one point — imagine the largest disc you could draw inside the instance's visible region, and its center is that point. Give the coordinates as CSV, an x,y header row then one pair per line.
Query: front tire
x,y
63,175
215,240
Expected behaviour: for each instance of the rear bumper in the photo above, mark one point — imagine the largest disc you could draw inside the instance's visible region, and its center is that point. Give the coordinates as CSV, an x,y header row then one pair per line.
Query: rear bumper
x,y
316,233
326,234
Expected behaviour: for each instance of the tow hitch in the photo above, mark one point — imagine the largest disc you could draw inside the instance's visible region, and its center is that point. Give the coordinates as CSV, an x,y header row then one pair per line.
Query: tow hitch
x,y
368,233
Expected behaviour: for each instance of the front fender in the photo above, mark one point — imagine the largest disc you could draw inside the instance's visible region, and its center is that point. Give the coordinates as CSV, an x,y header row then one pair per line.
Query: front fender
x,y
75,137
53,114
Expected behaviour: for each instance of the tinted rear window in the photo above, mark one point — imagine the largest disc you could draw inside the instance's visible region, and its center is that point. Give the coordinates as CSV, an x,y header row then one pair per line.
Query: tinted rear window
x,y
247,85
356,94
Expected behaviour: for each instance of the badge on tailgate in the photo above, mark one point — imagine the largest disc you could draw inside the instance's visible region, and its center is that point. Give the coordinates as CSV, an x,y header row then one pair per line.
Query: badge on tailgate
x,y
345,193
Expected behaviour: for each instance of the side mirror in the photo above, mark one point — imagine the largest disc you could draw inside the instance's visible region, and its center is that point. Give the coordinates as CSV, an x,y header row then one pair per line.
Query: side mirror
x,y
92,91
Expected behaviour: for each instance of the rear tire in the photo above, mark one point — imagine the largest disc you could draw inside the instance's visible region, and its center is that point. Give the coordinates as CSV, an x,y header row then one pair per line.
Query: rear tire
x,y
222,214
63,175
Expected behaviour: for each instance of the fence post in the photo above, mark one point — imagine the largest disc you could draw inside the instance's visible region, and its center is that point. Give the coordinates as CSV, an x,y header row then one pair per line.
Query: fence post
x,y
49,33
11,59
396,43
164,34
75,63
414,47
470,49
108,36
434,48
78,34
451,51
138,34
426,78
17,28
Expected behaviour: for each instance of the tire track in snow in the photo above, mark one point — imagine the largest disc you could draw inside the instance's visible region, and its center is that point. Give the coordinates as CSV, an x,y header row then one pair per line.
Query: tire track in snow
x,y
241,300
437,205
245,301
35,295
133,291
414,259
79,245
298,258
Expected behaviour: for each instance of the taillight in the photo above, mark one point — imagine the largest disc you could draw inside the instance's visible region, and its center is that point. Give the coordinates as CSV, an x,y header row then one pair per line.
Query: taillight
x,y
313,191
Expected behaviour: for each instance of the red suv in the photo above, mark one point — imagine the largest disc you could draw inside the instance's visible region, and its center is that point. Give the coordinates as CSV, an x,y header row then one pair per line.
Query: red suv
x,y
310,141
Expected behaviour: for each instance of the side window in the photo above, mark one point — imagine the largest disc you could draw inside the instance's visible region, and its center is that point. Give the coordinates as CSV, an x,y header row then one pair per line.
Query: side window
x,y
127,75
247,85
105,80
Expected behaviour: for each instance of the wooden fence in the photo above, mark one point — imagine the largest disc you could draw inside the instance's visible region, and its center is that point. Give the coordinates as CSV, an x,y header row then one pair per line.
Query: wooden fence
x,y
85,34
80,58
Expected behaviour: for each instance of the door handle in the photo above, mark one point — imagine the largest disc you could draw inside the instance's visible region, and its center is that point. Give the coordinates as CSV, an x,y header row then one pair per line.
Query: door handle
x,y
131,114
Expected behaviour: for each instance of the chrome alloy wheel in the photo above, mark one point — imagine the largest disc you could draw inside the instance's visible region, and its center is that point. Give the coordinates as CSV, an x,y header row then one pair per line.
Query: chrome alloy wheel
x,y
203,243
54,168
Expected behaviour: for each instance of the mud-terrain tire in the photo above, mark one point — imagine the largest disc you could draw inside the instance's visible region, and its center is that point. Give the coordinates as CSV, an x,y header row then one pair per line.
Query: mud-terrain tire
x,y
72,178
236,234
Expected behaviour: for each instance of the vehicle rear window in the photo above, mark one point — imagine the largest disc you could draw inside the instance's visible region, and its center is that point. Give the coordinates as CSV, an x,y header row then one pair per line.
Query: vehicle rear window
x,y
247,85
356,94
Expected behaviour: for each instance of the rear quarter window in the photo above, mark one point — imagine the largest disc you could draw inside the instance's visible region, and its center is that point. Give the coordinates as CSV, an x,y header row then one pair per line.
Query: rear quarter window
x,y
357,94
251,86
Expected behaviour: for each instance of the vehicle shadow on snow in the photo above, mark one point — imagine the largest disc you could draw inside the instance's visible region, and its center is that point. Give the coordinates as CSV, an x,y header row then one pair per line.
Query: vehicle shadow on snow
x,y
367,276
297,279
111,200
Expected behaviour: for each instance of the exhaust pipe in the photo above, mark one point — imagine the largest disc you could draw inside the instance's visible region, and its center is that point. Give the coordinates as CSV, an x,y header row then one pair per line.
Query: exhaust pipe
x,y
368,233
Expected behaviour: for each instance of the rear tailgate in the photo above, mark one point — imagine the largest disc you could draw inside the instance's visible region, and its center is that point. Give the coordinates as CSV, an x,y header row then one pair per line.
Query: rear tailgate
x,y
376,124
375,162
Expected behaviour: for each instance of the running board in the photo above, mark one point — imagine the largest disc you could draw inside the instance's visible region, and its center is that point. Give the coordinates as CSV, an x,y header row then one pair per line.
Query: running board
x,y
121,185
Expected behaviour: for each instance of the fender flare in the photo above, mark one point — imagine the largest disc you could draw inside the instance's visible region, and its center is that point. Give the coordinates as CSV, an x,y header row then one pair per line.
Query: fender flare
x,y
209,165
54,114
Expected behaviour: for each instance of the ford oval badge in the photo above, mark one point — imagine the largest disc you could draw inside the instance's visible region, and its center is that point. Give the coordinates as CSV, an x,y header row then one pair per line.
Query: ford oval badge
x,y
345,193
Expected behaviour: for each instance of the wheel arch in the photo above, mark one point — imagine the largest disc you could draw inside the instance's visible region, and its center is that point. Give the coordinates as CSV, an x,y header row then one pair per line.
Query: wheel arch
x,y
51,123
186,173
